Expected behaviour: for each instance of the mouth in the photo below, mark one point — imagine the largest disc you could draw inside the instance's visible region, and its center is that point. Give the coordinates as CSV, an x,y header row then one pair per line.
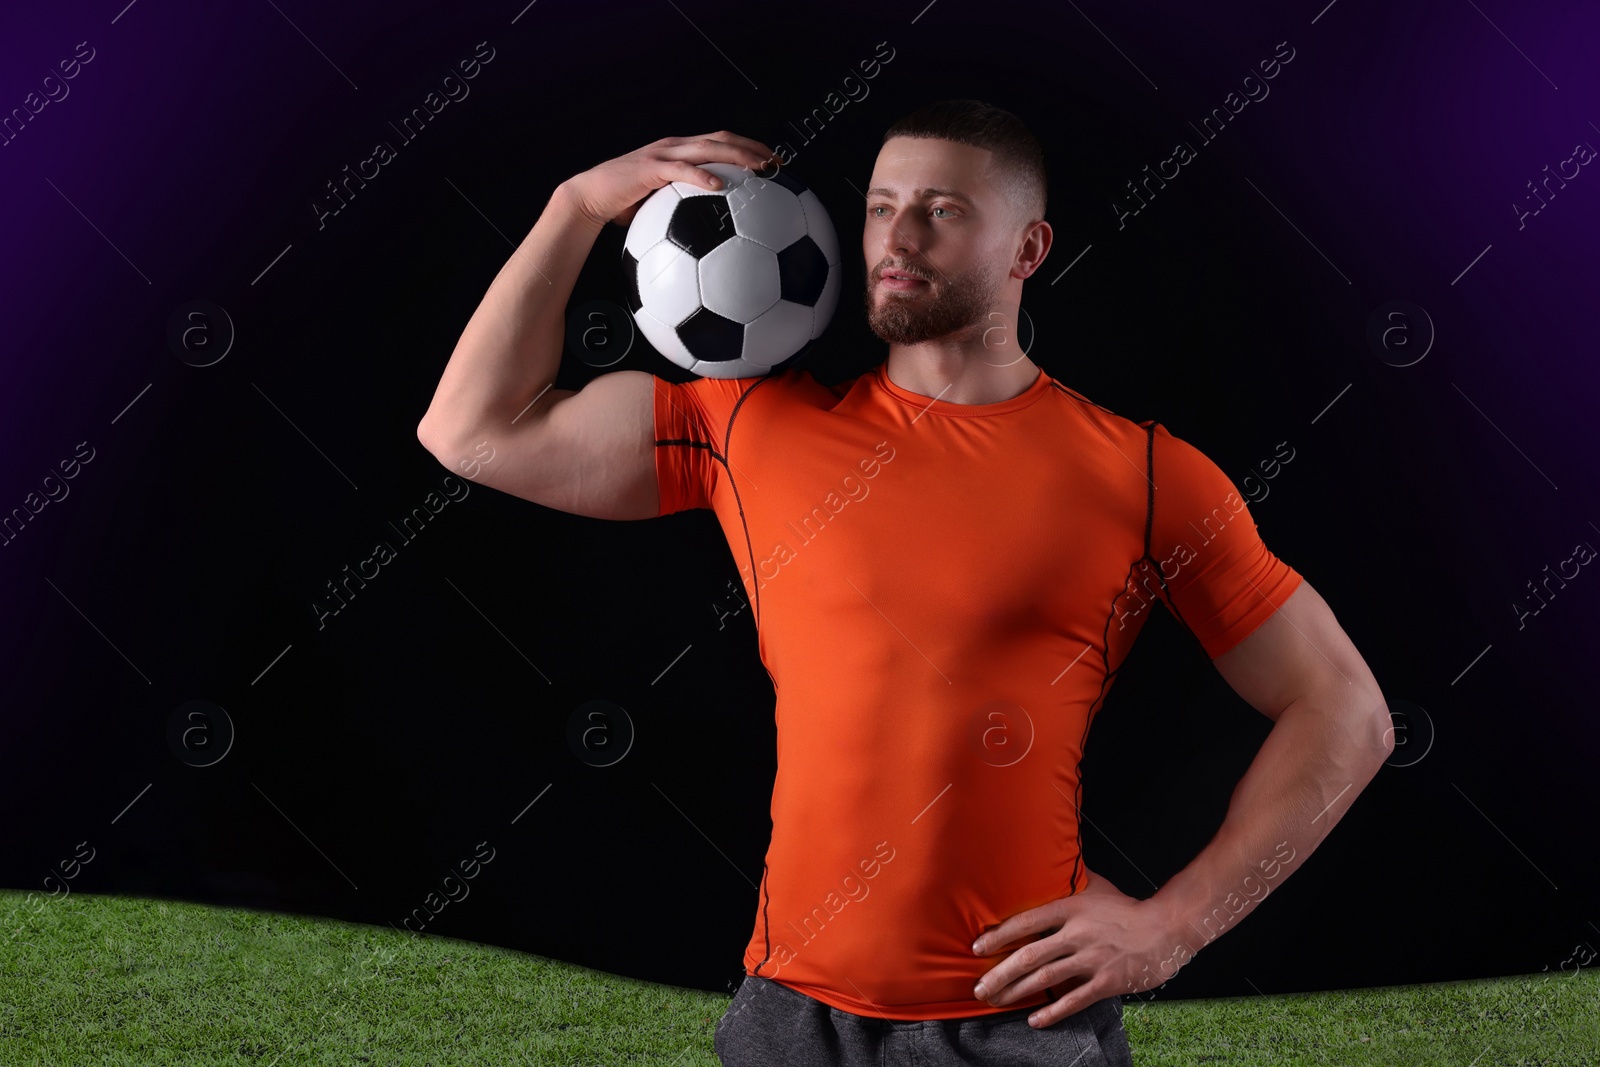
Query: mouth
x,y
899,279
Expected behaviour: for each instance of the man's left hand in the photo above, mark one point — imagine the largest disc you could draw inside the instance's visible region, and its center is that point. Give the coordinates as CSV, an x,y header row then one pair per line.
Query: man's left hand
x,y
1096,943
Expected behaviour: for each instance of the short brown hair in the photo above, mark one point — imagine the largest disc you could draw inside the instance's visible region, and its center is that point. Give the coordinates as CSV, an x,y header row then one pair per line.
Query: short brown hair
x,y
1016,150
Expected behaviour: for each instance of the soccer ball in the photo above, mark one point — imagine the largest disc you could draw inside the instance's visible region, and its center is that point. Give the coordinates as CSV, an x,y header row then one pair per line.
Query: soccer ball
x,y
734,282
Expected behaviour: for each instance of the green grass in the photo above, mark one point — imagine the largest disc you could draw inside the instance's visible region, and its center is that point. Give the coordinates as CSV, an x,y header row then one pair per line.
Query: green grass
x,y
113,980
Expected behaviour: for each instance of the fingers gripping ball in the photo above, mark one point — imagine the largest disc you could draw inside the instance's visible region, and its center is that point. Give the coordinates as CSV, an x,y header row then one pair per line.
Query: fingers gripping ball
x,y
732,282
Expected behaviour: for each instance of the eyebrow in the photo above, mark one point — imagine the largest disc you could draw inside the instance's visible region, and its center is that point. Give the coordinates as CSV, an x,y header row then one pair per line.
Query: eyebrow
x,y
923,194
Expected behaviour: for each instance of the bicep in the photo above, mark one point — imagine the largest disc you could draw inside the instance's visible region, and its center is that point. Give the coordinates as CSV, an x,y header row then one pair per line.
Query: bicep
x,y
1299,649
591,452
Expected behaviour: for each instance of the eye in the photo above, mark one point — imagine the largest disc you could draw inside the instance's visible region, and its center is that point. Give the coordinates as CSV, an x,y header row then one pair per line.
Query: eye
x,y
873,209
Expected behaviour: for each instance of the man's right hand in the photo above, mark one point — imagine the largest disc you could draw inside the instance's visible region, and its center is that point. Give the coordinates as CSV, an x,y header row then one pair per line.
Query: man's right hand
x,y
613,190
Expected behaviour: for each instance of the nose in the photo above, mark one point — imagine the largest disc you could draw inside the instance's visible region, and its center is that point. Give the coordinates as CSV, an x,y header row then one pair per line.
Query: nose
x,y
896,242
897,246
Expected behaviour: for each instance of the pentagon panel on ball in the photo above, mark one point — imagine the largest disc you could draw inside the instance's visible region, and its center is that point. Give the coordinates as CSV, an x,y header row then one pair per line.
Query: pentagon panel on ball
x,y
734,282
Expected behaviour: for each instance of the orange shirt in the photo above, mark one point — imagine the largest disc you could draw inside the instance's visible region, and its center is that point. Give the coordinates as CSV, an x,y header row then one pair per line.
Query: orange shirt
x,y
943,594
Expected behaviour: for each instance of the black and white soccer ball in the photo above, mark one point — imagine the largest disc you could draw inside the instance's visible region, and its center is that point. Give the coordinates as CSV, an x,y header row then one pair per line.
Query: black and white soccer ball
x,y
734,282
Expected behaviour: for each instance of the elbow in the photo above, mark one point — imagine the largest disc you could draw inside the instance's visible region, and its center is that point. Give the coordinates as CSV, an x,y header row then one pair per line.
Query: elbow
x,y
449,446
1386,736
425,436
431,438
1381,727
1366,734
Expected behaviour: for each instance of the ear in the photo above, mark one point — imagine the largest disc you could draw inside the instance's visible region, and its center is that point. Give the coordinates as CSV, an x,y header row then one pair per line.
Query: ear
x,y
1035,246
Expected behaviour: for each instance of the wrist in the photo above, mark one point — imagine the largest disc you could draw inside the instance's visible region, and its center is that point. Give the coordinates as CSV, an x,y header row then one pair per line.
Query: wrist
x,y
568,199
1175,912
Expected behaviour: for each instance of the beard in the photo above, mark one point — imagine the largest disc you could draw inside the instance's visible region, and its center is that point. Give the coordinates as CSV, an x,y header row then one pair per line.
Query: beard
x,y
944,306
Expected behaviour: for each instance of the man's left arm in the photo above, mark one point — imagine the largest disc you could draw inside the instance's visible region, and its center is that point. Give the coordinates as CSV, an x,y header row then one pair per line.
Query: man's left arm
x,y
1331,733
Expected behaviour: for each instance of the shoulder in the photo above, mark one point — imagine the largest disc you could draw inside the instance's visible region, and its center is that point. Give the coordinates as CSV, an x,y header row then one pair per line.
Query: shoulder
x,y
718,402
716,398
1172,468
1186,482
1178,455
802,380
797,386
1098,423
784,380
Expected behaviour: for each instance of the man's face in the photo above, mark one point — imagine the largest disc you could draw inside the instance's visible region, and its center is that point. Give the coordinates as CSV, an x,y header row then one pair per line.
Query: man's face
x,y
933,212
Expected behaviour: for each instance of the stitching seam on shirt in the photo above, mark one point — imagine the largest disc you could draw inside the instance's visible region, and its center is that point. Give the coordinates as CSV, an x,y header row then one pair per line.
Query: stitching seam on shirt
x,y
690,442
755,578
1106,677
755,581
1077,395
1150,515
766,924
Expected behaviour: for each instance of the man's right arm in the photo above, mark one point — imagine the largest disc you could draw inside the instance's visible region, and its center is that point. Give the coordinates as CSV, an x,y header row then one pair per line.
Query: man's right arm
x,y
495,416
589,451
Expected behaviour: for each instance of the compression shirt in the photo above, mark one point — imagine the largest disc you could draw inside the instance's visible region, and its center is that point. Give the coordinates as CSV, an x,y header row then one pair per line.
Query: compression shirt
x,y
943,594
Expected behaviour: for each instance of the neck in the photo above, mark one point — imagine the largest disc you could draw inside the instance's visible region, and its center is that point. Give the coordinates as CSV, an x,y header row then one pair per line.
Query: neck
x,y
955,376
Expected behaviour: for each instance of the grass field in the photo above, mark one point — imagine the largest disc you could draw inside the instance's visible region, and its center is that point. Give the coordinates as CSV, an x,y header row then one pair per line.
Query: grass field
x,y
111,980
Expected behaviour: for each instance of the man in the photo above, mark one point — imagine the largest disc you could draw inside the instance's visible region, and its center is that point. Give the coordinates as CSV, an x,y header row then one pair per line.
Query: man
x,y
949,558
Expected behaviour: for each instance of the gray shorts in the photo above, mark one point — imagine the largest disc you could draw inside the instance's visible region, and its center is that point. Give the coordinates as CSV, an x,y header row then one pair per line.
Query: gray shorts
x,y
767,1024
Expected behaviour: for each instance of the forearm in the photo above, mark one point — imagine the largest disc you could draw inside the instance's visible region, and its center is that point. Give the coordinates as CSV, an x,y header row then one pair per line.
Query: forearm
x,y
510,350
1321,753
